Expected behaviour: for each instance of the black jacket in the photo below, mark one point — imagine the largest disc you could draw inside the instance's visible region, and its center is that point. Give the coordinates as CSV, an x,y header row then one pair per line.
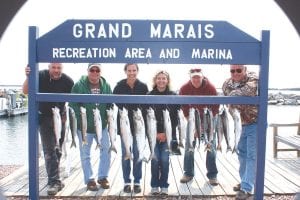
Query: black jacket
x,y
139,88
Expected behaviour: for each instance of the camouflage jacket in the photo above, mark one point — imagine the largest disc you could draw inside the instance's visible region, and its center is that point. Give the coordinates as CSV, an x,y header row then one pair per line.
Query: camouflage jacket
x,y
247,87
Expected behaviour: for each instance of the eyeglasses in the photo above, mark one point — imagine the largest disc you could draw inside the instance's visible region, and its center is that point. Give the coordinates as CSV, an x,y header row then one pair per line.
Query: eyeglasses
x,y
195,70
94,70
236,70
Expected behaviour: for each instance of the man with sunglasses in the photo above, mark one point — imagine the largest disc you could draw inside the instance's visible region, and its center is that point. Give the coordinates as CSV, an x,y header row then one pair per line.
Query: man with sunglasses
x,y
199,85
244,83
51,80
93,83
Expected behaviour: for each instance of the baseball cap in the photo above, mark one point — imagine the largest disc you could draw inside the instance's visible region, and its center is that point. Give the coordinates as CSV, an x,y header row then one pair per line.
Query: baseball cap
x,y
196,72
98,65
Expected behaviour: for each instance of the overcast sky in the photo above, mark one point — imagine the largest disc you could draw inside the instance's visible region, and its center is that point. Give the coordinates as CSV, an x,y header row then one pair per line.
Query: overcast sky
x,y
250,16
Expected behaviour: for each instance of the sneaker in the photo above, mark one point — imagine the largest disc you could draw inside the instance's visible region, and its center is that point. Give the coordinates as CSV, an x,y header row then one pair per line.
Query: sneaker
x,y
242,195
137,189
237,187
103,183
55,188
164,191
155,191
127,189
92,186
186,179
213,181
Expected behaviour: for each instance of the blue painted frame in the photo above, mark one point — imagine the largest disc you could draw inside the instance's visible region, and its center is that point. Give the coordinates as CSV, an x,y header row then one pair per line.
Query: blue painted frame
x,y
38,53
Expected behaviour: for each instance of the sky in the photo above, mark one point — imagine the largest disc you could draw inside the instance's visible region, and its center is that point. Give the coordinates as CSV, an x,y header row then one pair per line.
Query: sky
x,y
250,16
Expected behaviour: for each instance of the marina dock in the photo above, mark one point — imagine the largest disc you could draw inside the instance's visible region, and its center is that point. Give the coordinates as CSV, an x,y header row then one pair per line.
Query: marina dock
x,y
282,176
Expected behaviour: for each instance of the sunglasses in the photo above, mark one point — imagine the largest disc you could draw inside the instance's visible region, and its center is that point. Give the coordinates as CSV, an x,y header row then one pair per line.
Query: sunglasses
x,y
195,70
236,70
94,70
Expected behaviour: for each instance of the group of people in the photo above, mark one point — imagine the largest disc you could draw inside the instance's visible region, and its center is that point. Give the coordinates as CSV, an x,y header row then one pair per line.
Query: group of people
x,y
53,80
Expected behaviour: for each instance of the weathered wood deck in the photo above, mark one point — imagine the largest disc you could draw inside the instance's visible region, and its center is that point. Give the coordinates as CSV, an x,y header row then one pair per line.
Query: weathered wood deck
x,y
282,176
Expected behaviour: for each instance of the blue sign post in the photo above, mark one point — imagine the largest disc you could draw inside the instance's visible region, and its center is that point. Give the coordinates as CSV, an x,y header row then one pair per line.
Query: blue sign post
x,y
147,41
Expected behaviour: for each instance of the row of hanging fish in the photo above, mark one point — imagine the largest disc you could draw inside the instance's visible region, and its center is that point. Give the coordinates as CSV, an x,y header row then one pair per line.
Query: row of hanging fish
x,y
191,131
227,125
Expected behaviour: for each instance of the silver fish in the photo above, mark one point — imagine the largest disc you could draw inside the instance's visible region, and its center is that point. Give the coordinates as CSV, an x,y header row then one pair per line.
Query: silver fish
x,y
237,127
57,124
98,126
182,124
224,123
151,132
83,125
140,134
208,128
112,127
73,126
168,128
198,126
191,129
126,133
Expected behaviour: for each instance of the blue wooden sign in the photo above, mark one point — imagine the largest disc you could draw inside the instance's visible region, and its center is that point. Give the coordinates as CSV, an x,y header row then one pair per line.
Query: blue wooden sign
x,y
148,41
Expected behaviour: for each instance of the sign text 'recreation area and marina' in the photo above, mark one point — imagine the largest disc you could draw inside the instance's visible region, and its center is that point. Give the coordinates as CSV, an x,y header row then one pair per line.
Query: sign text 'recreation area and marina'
x,y
147,41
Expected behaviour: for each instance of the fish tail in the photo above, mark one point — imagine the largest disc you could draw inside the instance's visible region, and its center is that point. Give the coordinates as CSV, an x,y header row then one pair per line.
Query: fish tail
x,y
112,148
73,144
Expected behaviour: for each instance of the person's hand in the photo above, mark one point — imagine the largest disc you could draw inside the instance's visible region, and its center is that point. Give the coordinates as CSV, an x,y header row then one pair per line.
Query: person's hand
x,y
161,137
27,70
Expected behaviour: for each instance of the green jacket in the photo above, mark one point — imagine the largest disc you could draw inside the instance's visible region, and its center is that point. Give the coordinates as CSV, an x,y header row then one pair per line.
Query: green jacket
x,y
82,87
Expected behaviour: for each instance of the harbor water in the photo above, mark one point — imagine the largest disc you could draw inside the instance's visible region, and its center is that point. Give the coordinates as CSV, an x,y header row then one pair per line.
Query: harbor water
x,y
14,133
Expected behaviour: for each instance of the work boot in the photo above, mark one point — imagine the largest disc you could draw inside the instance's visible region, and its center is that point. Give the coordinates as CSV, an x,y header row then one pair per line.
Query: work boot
x,y
55,188
241,195
213,181
186,179
237,187
103,183
92,186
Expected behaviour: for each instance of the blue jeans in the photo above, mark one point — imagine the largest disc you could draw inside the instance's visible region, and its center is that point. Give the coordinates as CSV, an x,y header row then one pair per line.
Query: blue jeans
x,y
160,167
211,166
52,152
247,156
126,164
85,156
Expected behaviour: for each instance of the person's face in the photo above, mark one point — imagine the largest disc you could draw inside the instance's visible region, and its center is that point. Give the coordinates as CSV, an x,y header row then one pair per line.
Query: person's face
x,y
55,70
161,81
196,81
131,72
238,72
94,74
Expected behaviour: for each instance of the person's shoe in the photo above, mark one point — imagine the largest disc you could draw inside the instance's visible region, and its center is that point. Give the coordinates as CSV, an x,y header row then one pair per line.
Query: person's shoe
x,y
127,189
103,183
164,191
55,188
186,179
237,187
242,195
137,189
213,181
92,186
155,191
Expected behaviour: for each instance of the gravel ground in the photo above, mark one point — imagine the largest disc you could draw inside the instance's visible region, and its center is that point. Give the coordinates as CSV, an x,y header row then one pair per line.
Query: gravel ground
x,y
7,169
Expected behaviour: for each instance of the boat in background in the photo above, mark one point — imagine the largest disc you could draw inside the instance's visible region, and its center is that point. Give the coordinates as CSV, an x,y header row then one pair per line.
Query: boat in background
x,y
12,103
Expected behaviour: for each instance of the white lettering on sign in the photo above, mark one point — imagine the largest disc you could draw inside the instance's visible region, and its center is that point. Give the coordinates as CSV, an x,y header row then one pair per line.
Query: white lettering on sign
x,y
212,54
84,53
169,53
182,31
90,30
138,53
